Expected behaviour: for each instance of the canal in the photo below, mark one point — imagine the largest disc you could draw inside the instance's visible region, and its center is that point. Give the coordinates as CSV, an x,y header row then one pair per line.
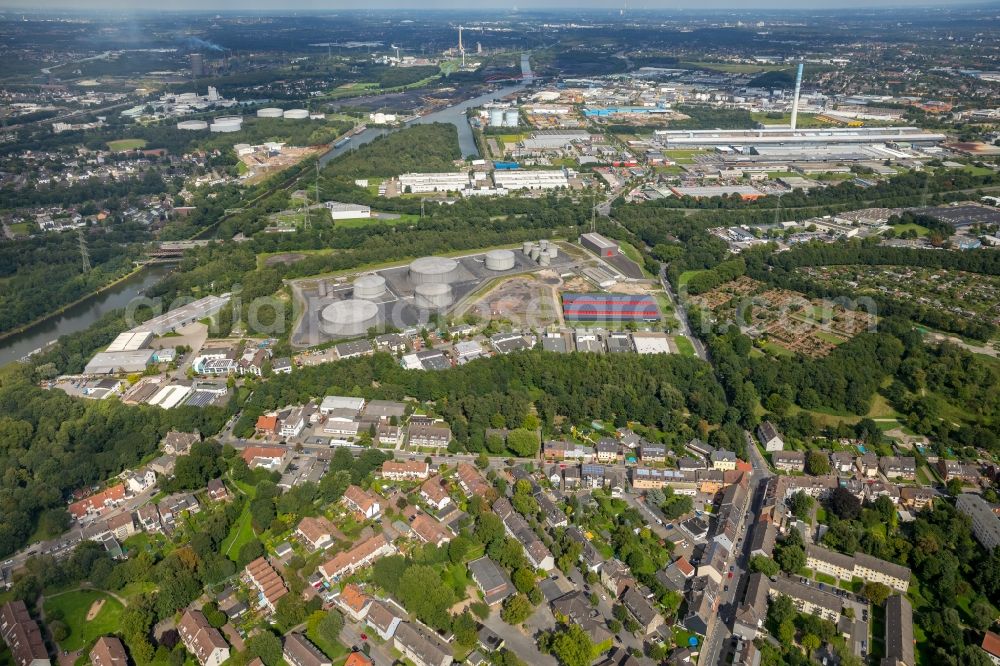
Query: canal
x,y
454,114
81,315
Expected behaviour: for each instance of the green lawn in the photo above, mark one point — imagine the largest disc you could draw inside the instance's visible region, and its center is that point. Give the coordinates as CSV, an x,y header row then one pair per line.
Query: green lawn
x,y
241,533
73,607
684,346
776,350
126,144
686,276
333,650
826,336
359,222
20,228
921,230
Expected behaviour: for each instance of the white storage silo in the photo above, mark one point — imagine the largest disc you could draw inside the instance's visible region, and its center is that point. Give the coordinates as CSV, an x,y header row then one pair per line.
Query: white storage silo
x,y
553,251
227,124
369,286
432,296
511,119
295,114
499,260
526,247
535,252
543,245
427,270
544,259
349,317
270,112
192,125
496,117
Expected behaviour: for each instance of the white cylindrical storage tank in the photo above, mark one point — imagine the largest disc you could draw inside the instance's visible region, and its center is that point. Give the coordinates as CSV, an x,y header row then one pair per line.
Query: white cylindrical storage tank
x,y
526,247
543,260
295,114
499,260
227,124
553,252
192,125
428,270
496,117
535,252
369,286
511,119
432,296
349,317
270,112
543,244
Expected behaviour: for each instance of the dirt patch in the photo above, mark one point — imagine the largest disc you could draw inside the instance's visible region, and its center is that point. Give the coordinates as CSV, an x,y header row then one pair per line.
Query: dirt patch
x,y
287,258
95,608
629,288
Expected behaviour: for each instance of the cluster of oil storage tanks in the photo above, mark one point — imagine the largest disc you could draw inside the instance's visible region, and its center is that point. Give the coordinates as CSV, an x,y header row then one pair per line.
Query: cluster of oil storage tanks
x,y
290,114
542,252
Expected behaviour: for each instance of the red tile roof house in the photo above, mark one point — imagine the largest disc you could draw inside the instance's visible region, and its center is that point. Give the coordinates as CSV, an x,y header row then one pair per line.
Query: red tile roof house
x,y
354,602
270,457
349,561
427,529
202,640
364,503
270,586
267,426
98,503
316,533
434,492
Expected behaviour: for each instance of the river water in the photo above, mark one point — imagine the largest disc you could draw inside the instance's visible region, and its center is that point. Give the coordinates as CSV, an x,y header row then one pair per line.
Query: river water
x,y
81,315
454,114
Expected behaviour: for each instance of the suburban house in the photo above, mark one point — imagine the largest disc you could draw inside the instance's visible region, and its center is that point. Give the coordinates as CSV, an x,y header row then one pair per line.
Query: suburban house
x,y
723,460
384,617
638,606
769,437
298,651
217,491
354,602
22,635
789,461
407,470
201,639
434,492
267,425
270,586
364,503
421,646
491,580
316,533
904,467
434,436
108,651
359,556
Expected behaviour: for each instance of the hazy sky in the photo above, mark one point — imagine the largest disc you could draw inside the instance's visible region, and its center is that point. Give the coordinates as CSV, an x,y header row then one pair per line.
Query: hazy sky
x,y
493,6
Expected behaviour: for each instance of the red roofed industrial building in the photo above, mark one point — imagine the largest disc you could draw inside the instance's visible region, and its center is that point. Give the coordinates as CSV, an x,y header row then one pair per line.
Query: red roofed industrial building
x,y
615,307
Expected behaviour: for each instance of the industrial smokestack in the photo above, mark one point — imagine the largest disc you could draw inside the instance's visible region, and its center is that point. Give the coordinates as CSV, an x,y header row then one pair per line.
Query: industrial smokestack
x,y
795,101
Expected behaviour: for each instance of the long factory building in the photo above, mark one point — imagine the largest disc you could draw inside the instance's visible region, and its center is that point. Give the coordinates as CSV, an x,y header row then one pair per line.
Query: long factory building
x,y
788,137
611,307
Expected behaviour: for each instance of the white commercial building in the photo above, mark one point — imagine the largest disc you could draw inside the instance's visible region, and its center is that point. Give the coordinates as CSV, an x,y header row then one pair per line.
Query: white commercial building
x,y
433,182
985,523
347,211
531,180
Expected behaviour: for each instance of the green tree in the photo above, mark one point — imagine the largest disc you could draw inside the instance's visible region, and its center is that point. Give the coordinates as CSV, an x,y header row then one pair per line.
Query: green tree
x,y
330,626
516,609
572,646
876,593
764,565
523,442
817,463
267,646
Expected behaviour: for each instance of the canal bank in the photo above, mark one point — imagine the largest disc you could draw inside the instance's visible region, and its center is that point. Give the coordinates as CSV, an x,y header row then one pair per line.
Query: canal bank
x,y
81,314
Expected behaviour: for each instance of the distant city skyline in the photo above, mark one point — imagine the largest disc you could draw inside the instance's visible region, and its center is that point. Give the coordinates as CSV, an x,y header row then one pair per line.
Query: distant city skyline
x,y
459,5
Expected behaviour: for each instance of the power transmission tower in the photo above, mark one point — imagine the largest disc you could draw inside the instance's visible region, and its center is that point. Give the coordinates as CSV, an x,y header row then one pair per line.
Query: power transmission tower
x,y
84,254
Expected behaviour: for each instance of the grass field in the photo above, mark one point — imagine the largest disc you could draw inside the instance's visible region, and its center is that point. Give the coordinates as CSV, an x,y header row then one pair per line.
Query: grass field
x,y
126,144
921,230
241,533
73,606
685,277
684,346
735,67
335,651
20,228
358,222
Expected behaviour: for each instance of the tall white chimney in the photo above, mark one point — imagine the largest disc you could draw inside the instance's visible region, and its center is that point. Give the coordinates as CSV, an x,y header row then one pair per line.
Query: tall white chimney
x,y
795,102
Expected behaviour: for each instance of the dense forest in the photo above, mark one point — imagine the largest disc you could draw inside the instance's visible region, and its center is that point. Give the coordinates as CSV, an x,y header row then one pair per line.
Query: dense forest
x,y
45,272
430,147
52,444
672,393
